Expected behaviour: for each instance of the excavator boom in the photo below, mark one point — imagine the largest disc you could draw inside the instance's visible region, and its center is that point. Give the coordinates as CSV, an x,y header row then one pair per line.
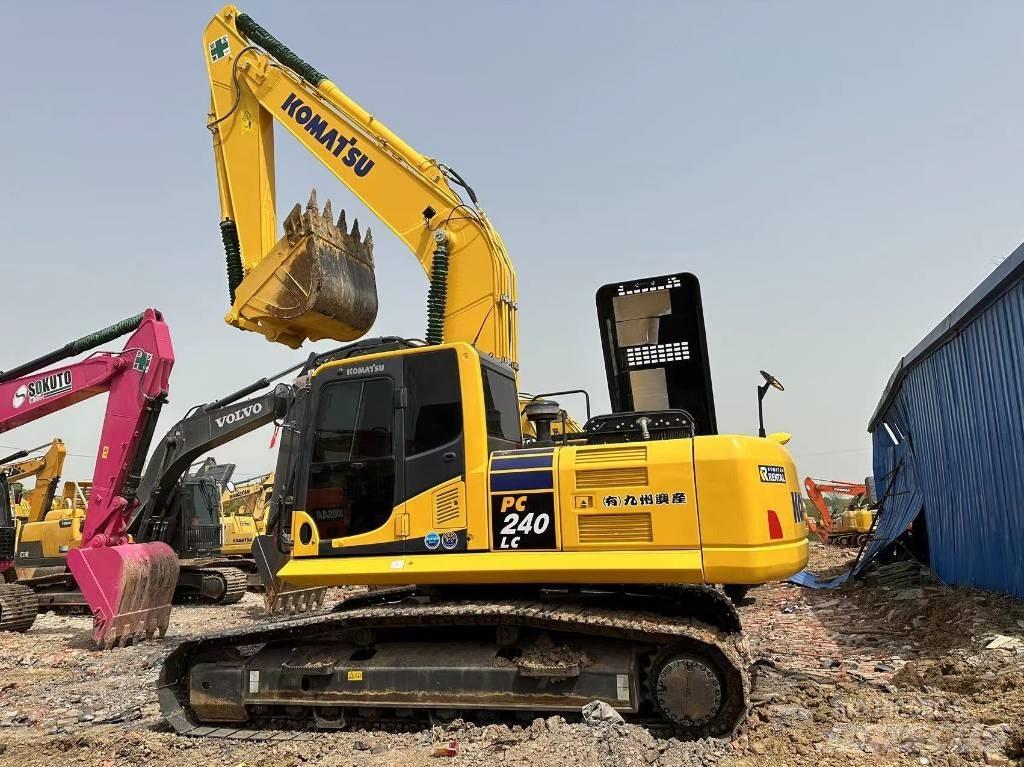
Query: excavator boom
x,y
317,280
127,586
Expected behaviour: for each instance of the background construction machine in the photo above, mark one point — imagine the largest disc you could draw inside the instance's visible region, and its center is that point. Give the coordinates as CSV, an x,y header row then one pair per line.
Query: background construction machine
x,y
852,525
527,579
250,499
44,468
237,530
18,604
127,586
184,511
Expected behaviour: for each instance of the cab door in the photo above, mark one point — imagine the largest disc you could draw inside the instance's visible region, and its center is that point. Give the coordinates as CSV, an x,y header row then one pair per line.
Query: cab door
x,y
435,453
354,467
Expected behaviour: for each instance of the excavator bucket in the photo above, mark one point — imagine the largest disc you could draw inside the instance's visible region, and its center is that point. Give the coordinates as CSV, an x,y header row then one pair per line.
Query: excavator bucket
x,y
317,282
279,596
128,587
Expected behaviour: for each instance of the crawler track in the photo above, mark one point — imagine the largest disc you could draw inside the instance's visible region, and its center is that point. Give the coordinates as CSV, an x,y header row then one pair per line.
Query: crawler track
x,y
235,584
665,631
18,607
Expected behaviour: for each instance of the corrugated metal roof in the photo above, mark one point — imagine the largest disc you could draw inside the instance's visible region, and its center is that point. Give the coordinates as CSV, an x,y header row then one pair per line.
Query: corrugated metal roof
x,y
953,416
991,288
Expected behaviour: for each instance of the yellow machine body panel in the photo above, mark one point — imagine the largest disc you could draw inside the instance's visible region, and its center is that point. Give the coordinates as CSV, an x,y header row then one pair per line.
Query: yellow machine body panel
x,y
710,509
46,543
238,531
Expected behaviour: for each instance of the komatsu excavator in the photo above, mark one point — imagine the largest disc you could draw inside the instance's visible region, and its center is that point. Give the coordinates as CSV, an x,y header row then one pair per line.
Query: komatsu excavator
x,y
250,498
126,586
509,579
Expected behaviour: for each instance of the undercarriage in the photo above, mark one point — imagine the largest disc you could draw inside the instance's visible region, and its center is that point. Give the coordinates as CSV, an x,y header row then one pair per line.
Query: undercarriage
x,y
667,657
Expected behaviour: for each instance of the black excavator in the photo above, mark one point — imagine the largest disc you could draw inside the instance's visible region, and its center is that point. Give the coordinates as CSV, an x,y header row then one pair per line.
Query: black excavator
x,y
184,510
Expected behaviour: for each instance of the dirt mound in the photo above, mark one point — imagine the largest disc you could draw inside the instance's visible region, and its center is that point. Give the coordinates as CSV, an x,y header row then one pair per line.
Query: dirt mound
x,y
962,674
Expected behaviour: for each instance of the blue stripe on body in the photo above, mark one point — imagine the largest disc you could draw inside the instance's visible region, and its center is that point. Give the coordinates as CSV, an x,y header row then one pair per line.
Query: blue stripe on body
x,y
501,463
521,480
523,451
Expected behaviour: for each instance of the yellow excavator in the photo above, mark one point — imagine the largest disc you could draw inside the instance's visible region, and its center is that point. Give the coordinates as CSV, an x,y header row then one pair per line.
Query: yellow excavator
x,y
44,546
508,578
249,500
45,468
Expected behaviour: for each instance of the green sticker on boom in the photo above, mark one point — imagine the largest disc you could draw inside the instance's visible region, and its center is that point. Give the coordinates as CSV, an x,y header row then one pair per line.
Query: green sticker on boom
x,y
219,48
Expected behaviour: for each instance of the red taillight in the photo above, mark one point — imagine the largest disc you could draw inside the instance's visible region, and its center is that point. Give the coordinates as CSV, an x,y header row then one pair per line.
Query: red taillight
x,y
774,526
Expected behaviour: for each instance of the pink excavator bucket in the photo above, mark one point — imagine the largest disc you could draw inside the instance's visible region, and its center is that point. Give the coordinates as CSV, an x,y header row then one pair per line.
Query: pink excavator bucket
x,y
128,587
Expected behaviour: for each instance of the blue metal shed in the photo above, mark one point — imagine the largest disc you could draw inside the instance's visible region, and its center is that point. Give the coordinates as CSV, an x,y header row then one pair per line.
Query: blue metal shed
x,y
948,439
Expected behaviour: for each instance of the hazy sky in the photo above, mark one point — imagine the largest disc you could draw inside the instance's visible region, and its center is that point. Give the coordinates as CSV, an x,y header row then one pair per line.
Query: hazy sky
x,y
838,175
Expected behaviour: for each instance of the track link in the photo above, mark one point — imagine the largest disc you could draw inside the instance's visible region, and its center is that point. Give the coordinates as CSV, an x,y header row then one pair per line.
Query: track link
x,y
658,618
18,607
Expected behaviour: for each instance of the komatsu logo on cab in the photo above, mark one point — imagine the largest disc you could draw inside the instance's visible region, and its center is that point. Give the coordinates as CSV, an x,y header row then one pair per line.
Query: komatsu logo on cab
x,y
239,415
43,388
335,142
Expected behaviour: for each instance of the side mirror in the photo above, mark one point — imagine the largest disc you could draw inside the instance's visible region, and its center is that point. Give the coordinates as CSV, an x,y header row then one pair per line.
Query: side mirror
x,y
282,400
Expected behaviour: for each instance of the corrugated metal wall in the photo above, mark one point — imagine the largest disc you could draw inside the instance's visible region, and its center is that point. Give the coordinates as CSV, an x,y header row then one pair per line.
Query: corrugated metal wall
x,y
958,421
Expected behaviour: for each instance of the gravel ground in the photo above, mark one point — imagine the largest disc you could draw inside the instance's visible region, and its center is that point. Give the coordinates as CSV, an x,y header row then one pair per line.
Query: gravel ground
x,y
863,675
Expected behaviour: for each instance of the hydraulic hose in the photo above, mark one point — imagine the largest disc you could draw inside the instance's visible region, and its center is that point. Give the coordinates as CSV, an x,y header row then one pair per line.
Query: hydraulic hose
x,y
437,297
83,344
233,254
261,37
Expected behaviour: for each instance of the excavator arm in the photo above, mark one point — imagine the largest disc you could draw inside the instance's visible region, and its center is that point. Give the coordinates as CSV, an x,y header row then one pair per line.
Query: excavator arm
x,y
203,429
128,587
45,469
317,281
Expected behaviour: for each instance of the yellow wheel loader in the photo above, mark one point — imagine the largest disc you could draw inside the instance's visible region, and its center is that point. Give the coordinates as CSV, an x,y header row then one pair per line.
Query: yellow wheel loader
x,y
509,578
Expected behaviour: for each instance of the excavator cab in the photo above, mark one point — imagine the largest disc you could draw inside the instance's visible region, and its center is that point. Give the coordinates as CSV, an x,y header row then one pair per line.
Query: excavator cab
x,y
199,529
387,433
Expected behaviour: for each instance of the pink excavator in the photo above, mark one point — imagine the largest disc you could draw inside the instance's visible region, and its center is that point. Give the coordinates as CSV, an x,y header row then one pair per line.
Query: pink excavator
x,y
127,586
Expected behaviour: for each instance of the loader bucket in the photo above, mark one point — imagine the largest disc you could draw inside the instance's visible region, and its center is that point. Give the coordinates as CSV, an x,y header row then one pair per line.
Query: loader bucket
x,y
279,596
128,587
317,282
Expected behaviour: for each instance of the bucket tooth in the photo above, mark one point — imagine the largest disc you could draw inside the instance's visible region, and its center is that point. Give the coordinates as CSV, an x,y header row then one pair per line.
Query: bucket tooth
x,y
311,205
327,214
355,230
368,239
342,224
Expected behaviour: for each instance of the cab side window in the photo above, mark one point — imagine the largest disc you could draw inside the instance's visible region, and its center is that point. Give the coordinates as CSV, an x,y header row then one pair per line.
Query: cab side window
x,y
433,417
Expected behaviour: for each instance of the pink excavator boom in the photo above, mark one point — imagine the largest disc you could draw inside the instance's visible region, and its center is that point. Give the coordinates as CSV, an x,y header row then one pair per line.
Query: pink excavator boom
x,y
127,585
